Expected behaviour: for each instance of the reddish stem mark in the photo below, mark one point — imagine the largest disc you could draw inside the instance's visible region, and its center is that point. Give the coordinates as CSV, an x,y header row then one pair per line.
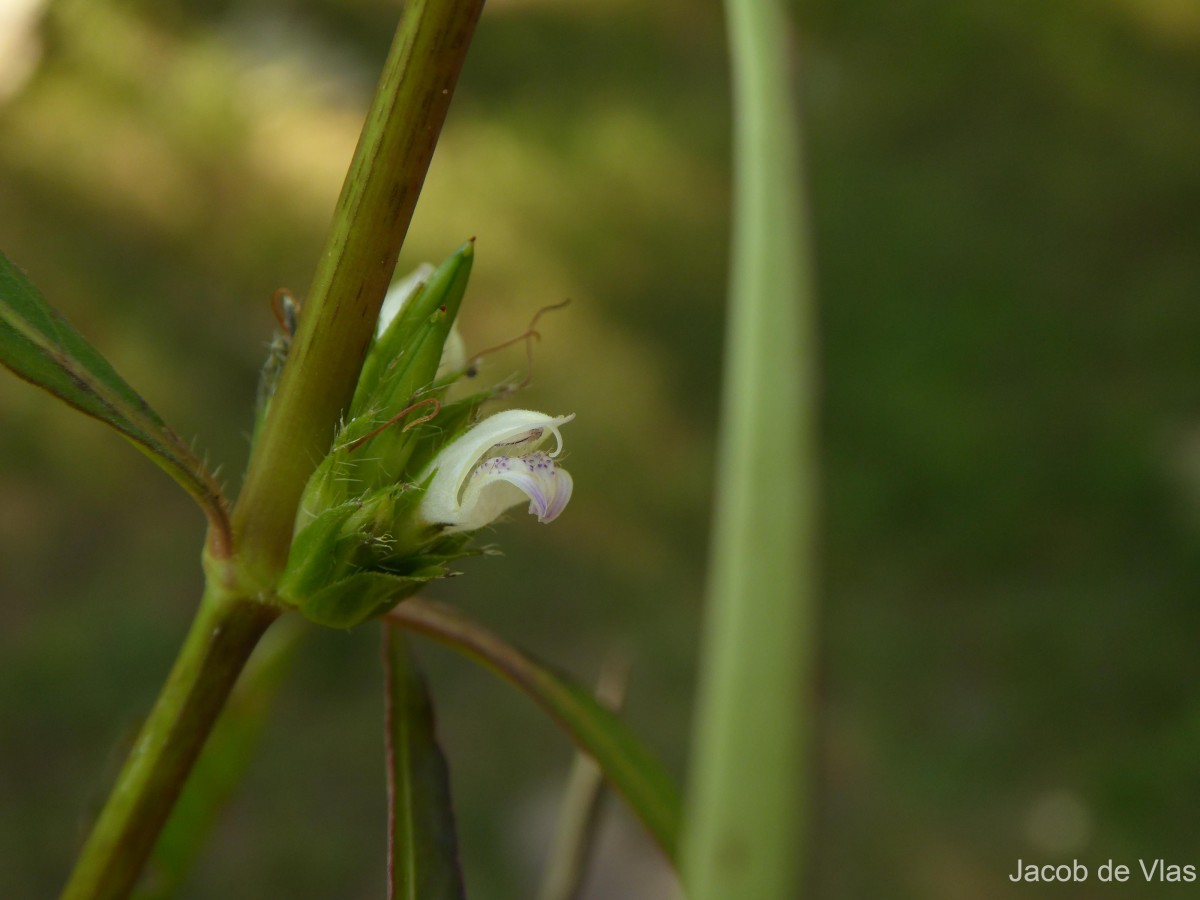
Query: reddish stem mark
x,y
432,401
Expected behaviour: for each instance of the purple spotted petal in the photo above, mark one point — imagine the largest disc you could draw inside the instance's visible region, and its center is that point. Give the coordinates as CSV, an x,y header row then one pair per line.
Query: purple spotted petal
x,y
534,475
471,488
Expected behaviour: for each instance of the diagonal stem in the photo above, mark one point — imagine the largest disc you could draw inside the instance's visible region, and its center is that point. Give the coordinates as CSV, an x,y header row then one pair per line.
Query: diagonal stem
x,y
353,274
222,637
369,225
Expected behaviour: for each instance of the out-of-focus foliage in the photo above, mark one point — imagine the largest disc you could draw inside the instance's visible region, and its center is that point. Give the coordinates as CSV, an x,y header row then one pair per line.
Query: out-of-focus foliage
x,y
1007,213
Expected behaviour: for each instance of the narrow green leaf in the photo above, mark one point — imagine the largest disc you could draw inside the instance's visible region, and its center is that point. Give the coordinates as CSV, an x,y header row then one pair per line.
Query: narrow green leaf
x,y
40,346
748,781
422,847
628,765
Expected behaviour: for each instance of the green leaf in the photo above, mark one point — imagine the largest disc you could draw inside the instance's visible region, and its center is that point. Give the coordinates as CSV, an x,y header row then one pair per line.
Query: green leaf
x,y
628,765
422,847
40,346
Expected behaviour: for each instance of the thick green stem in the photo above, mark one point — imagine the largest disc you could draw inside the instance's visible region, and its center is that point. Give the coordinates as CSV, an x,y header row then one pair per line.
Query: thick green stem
x,y
338,318
746,815
353,274
223,635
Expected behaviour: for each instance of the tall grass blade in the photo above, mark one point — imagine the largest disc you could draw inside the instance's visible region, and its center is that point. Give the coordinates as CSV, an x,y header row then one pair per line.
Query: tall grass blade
x,y
746,808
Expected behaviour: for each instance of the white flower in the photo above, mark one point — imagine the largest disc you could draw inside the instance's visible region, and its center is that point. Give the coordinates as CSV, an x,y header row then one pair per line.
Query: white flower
x,y
495,466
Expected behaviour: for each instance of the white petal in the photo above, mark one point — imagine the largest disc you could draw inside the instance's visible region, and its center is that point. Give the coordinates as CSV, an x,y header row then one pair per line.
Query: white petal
x,y
463,497
398,295
502,482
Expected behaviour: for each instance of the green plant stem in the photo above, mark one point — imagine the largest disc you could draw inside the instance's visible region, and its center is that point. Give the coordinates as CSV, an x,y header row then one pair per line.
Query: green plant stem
x,y
223,635
746,815
337,322
223,763
353,274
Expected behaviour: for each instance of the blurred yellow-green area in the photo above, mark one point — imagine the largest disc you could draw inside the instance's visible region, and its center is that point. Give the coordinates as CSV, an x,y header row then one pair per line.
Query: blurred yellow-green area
x,y
1006,203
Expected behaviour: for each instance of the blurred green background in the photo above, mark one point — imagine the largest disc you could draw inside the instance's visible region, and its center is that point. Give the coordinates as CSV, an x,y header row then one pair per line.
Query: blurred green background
x,y
1007,218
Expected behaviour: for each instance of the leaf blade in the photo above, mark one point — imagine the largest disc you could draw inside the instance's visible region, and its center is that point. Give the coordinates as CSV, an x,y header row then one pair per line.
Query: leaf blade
x,y
422,846
628,765
751,754
41,347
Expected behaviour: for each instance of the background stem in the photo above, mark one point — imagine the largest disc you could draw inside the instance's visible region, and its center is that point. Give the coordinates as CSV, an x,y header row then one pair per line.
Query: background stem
x,y
574,838
745,834
222,637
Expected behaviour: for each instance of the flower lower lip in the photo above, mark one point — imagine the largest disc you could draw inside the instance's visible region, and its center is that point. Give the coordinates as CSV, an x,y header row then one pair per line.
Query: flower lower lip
x,y
469,487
